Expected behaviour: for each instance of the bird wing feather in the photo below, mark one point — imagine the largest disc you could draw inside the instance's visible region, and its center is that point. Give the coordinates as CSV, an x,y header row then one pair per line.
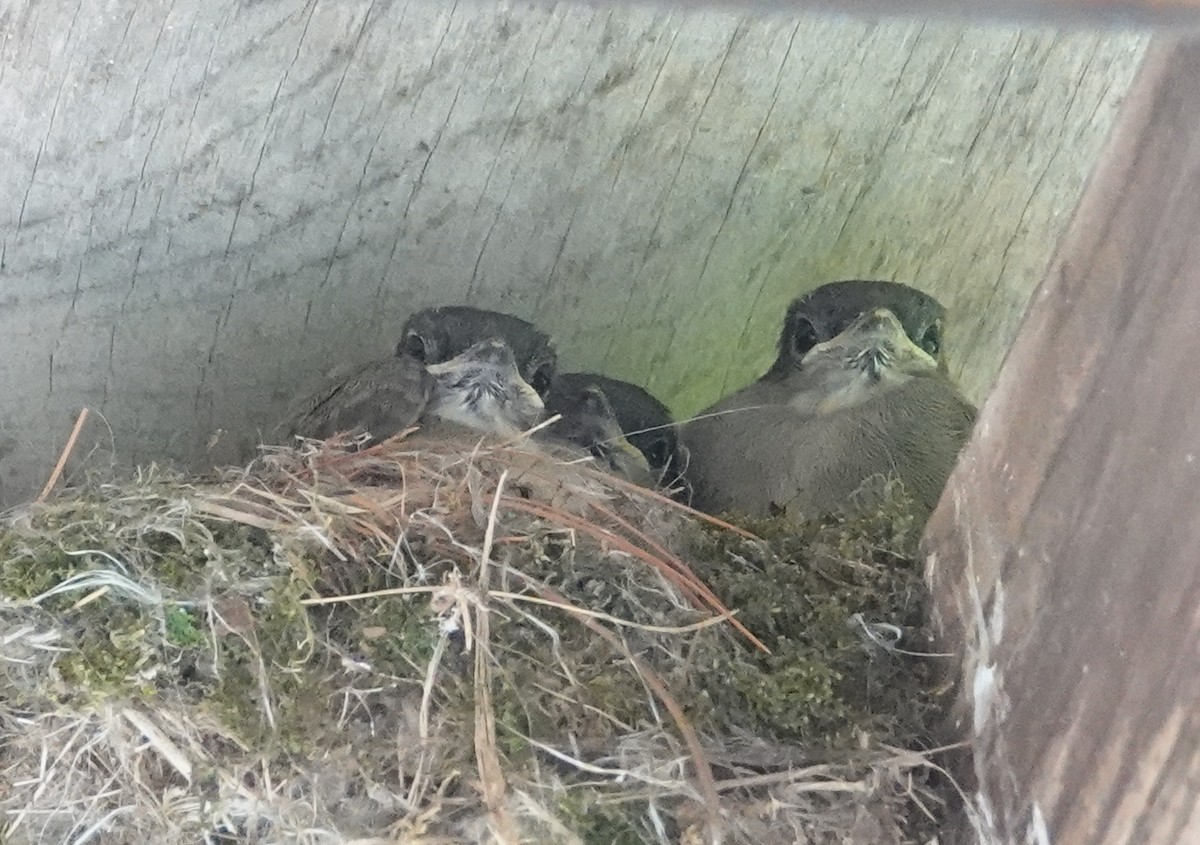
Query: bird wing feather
x,y
381,397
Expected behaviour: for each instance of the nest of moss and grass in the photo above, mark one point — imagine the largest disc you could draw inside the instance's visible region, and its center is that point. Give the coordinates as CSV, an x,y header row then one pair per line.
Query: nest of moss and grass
x,y
446,641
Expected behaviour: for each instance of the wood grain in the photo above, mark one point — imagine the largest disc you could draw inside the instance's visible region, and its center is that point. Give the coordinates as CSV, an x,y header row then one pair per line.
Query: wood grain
x,y
1175,14
1065,550
213,203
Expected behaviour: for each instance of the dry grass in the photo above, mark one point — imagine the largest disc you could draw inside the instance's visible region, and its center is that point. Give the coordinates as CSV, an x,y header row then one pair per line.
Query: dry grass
x,y
418,642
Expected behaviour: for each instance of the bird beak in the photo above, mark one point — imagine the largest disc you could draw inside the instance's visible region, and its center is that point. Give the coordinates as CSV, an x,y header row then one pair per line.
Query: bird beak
x,y
630,462
877,327
877,341
531,396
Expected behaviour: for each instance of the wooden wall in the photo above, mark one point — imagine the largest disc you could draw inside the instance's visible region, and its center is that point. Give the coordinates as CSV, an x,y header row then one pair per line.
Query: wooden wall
x,y
1065,554
211,203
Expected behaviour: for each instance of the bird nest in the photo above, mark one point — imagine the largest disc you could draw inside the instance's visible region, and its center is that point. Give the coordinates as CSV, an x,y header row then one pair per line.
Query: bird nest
x,y
453,641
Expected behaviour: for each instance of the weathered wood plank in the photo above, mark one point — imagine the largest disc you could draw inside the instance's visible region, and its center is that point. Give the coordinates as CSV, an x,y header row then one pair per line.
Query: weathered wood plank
x,y
1065,549
213,202
1092,13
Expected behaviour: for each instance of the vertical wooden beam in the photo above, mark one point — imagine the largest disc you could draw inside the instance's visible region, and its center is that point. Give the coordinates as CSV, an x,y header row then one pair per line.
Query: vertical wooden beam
x,y
1065,554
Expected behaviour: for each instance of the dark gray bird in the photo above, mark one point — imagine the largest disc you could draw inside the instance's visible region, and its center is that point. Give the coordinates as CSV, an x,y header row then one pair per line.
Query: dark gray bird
x,y
646,422
859,391
435,335
590,426
480,389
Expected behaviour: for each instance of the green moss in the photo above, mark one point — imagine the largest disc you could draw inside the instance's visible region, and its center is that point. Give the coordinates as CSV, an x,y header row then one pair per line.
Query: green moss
x,y
802,591
597,823
286,710
113,659
27,572
402,631
183,629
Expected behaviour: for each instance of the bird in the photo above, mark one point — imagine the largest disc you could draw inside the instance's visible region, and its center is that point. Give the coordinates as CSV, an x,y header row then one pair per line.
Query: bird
x,y
589,426
452,364
435,335
645,421
858,391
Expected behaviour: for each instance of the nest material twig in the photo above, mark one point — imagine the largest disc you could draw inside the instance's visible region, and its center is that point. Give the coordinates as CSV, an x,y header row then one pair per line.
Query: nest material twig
x,y
278,656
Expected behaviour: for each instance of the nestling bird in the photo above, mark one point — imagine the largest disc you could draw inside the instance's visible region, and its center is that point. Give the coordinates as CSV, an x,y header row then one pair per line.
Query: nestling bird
x,y
646,422
480,389
385,397
435,335
858,391
590,426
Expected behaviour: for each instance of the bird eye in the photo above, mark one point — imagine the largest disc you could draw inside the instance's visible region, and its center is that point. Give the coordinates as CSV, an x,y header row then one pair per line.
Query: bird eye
x,y
414,345
804,335
659,453
541,378
931,341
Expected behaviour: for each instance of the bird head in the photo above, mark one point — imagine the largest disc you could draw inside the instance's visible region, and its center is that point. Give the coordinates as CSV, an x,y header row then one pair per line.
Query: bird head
x,y
825,312
436,335
871,355
589,422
